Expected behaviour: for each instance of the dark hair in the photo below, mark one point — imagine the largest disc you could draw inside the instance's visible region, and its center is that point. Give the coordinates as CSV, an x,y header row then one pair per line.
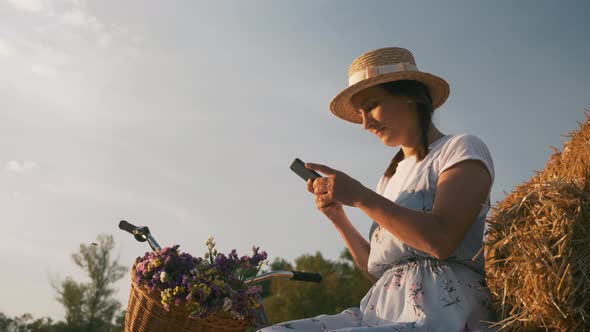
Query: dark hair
x,y
418,93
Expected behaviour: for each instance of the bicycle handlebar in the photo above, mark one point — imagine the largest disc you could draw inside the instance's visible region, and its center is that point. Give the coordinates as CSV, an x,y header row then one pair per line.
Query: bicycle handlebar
x,y
124,225
141,234
292,275
306,276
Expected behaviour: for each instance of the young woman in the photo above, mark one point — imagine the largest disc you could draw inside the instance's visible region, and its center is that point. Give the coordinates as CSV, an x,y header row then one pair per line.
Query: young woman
x,y
424,252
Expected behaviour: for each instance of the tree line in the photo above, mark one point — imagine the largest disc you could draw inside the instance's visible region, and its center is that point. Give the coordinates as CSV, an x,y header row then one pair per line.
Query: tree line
x,y
90,305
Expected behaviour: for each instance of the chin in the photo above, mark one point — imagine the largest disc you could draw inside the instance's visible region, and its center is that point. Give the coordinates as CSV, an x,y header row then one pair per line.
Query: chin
x,y
390,144
389,141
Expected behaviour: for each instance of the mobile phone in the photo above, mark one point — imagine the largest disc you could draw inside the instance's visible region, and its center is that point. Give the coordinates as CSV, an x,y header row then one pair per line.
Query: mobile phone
x,y
298,167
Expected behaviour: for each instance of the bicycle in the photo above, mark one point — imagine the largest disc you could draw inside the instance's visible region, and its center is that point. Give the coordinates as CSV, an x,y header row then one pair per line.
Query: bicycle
x,y
143,234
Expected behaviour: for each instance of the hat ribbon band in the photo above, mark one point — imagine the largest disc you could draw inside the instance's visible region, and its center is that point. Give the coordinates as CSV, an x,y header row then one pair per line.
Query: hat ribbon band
x,y
373,71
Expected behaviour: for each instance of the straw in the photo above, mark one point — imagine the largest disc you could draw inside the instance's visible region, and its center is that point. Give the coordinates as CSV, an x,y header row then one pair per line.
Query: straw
x,y
537,247
341,105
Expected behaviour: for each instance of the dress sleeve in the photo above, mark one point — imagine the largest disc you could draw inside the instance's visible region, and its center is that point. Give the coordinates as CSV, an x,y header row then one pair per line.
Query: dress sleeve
x,y
465,147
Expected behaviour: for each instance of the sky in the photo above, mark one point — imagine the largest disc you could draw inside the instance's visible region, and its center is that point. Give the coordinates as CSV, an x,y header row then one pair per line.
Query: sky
x,y
185,116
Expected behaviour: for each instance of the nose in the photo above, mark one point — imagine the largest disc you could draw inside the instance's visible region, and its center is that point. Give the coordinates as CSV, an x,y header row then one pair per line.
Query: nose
x,y
368,121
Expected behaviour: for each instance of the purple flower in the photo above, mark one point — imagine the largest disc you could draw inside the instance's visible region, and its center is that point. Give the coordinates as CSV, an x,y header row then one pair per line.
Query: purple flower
x,y
205,286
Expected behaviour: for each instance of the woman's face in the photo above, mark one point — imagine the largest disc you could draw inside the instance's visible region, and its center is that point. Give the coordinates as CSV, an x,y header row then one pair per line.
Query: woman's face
x,y
392,118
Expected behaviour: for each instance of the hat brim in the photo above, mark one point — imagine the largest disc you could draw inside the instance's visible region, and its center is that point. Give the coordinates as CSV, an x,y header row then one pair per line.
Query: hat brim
x,y
342,107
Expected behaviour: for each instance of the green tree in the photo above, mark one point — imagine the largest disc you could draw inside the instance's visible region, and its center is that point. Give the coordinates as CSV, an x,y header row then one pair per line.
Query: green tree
x,y
343,286
25,323
354,280
120,322
90,306
71,295
5,322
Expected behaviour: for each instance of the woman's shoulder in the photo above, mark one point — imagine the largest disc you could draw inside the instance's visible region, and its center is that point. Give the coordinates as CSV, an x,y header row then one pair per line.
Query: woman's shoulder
x,y
464,146
461,142
463,139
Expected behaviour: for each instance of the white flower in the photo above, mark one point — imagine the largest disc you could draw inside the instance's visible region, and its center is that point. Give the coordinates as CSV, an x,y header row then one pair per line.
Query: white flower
x,y
210,243
226,304
163,276
236,315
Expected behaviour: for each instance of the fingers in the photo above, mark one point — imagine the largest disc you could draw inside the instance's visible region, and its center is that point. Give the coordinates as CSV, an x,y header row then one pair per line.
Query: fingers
x,y
324,200
322,181
319,186
318,190
321,168
310,185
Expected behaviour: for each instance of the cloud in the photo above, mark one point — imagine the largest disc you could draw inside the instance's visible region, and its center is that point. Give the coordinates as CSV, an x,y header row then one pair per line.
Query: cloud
x,y
44,53
57,38
14,166
104,40
44,70
6,49
77,17
30,165
49,187
41,5
29,5
38,57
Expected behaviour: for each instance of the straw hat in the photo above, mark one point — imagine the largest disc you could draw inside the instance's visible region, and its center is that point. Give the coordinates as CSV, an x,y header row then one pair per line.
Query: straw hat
x,y
380,66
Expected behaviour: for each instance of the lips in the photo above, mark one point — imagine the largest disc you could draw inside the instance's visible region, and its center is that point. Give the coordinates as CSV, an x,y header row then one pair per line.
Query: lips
x,y
379,131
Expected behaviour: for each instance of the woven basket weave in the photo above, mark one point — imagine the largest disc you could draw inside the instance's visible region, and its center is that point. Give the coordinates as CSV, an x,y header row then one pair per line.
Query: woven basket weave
x,y
145,313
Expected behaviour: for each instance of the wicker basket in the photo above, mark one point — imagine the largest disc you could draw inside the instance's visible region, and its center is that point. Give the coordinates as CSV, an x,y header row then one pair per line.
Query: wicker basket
x,y
145,313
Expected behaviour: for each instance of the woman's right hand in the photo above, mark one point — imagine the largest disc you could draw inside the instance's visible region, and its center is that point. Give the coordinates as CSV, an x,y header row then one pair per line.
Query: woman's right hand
x,y
333,210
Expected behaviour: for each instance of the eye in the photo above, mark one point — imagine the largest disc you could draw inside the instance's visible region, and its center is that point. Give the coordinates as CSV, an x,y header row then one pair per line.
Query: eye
x,y
370,106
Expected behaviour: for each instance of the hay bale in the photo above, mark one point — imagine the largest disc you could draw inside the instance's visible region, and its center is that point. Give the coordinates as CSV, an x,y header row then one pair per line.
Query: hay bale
x,y
538,245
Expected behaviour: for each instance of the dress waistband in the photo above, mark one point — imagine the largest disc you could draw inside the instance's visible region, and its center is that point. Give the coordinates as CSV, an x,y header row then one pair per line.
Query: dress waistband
x,y
413,257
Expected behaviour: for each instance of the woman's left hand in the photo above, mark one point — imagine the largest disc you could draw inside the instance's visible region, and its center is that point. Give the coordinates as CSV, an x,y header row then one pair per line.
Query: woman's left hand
x,y
336,186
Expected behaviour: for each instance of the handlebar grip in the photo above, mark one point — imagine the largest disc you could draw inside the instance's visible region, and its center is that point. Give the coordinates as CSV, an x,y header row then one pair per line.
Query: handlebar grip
x,y
124,225
306,276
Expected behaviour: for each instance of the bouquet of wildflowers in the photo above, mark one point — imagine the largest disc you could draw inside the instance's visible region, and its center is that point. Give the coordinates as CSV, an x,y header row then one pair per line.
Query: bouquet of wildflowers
x,y
204,286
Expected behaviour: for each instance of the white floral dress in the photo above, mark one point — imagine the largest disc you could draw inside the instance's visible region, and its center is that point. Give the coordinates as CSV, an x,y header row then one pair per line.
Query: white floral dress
x,y
415,291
